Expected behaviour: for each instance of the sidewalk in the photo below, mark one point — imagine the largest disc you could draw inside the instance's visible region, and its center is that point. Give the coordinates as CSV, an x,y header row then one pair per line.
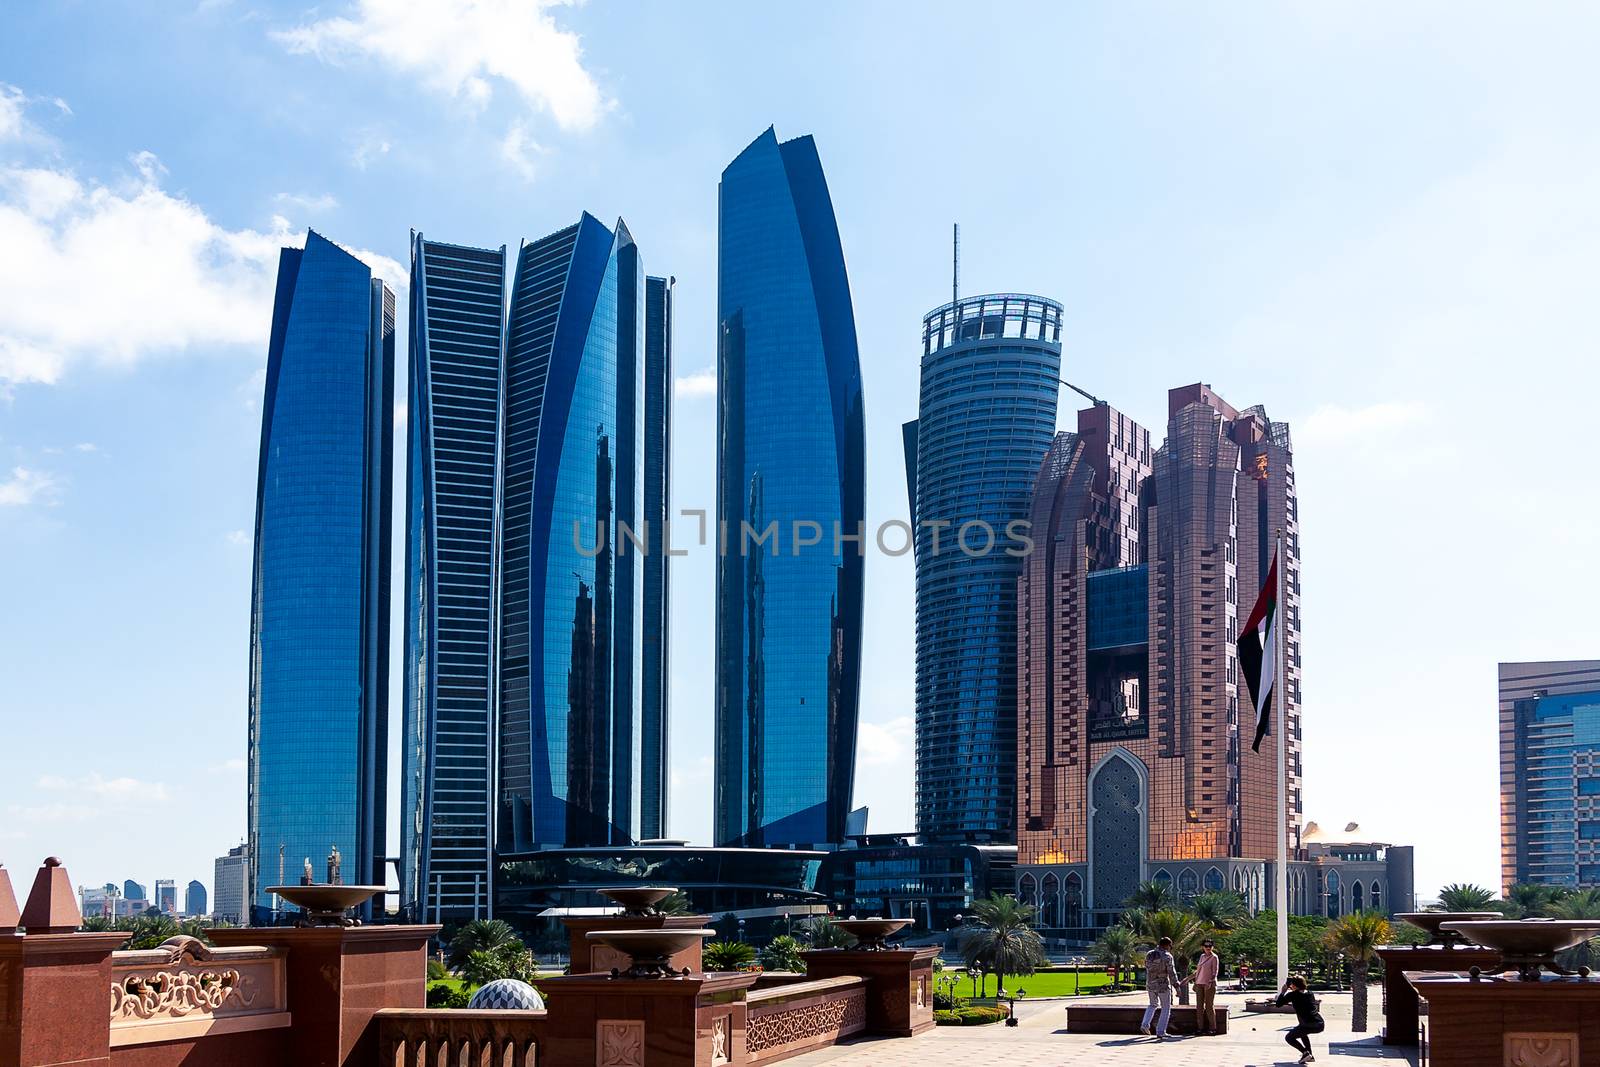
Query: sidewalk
x,y
1040,1040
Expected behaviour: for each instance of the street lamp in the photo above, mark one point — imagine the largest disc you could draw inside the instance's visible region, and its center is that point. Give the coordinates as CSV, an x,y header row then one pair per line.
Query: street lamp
x,y
974,972
1011,1013
741,929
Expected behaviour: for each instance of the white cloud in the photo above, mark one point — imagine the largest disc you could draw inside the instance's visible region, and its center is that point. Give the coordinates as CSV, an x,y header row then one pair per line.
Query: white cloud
x,y
700,383
461,47
367,149
86,446
307,203
521,151
120,789
238,537
1334,424
25,486
14,125
886,743
163,275
38,813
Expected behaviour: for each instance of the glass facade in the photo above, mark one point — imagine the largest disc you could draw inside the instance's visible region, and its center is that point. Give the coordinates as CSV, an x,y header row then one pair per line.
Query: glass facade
x,y
572,576
457,309
986,417
789,450
657,598
319,622
1558,752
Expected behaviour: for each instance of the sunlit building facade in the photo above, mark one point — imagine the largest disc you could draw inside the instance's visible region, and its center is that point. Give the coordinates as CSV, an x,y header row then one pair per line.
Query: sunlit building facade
x,y
789,450
447,745
1550,773
987,411
1133,760
319,621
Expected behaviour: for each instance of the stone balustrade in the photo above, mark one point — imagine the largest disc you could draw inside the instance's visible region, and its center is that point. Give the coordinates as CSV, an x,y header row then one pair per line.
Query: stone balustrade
x,y
409,1036
786,1020
184,990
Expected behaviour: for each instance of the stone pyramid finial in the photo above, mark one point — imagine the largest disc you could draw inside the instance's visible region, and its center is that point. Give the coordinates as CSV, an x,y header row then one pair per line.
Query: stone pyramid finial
x,y
9,915
52,907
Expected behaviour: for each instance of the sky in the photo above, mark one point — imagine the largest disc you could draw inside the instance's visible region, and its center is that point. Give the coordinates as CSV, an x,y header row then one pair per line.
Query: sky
x,y
1377,220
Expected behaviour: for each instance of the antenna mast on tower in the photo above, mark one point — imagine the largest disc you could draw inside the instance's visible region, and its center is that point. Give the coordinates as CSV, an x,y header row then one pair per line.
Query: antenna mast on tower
x,y
955,262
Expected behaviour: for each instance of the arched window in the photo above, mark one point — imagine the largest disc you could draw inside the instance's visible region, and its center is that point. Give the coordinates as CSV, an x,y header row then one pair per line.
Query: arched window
x,y
1356,893
1374,897
1028,891
1163,877
1188,884
1238,880
1214,880
1050,902
1074,901
1332,887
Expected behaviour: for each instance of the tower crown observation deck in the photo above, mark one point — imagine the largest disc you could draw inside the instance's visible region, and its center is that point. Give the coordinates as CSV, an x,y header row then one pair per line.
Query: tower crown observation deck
x,y
991,366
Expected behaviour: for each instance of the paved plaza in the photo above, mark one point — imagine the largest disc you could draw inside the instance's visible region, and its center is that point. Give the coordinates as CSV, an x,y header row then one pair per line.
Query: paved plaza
x,y
1040,1040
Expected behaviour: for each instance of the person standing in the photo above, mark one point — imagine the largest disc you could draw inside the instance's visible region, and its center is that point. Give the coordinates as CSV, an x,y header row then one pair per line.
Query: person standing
x,y
1296,995
1204,980
1160,975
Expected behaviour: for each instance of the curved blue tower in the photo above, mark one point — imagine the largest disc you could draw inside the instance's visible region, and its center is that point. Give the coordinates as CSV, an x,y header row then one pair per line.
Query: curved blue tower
x,y
789,451
319,611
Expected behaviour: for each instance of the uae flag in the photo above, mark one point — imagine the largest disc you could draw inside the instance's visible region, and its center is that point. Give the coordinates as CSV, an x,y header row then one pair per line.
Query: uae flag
x,y
1258,655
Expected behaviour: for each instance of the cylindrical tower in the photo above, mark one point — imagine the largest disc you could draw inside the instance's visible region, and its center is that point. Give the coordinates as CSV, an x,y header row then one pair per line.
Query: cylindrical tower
x,y
990,372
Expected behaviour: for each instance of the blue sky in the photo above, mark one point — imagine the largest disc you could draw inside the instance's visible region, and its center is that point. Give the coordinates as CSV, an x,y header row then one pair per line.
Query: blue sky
x,y
1378,220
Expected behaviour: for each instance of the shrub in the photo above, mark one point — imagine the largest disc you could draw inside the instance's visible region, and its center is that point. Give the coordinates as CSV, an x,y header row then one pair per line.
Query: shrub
x,y
437,971
946,1018
783,954
727,956
979,1015
943,1000
441,995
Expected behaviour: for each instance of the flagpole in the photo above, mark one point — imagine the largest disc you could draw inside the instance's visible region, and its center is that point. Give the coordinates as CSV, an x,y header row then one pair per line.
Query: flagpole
x,y
1280,684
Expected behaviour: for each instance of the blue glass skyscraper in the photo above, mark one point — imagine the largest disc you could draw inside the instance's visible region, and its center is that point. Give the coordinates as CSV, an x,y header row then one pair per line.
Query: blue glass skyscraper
x,y
789,451
657,598
572,620
457,332
986,417
319,613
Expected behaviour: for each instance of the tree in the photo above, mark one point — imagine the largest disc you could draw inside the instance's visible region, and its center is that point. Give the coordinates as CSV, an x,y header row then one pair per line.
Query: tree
x,y
1580,904
1186,933
479,935
1153,895
1462,897
825,933
509,959
1117,948
1528,901
677,903
727,956
783,954
1220,910
1002,939
1357,936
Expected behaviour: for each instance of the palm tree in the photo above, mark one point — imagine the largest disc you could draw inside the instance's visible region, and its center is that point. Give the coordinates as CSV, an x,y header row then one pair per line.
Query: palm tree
x,y
1186,933
1117,948
783,954
1459,897
1220,910
1357,936
675,904
1579,904
480,935
1153,895
825,933
1526,901
727,956
1002,938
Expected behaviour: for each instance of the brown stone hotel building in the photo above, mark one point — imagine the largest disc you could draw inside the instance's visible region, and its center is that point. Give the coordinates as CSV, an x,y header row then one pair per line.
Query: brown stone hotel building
x,y
1134,757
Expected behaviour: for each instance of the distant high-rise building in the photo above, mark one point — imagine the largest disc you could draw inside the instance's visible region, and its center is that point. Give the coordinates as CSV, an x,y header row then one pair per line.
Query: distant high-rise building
x,y
166,896
1550,773
319,620
1133,760
227,884
990,374
573,543
194,899
789,465
657,599
447,746
132,890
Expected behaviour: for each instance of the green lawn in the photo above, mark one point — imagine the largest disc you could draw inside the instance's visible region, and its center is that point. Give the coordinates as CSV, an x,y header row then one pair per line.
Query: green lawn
x,y
1042,984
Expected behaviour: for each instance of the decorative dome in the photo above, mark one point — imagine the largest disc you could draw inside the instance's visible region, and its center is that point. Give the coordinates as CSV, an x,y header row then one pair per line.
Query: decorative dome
x,y
507,993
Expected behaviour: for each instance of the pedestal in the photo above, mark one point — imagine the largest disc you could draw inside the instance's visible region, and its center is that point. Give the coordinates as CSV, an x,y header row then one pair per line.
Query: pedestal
x,y
338,978
1400,1009
662,1022
899,985
1499,1022
590,957
53,997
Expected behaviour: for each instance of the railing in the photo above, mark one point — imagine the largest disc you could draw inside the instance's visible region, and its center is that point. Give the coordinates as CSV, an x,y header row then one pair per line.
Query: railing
x,y
413,1037
797,1017
185,989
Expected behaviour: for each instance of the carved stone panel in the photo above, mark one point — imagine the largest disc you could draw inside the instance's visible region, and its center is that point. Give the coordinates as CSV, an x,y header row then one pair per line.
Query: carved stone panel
x,y
619,1043
721,1037
1541,1050
604,958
